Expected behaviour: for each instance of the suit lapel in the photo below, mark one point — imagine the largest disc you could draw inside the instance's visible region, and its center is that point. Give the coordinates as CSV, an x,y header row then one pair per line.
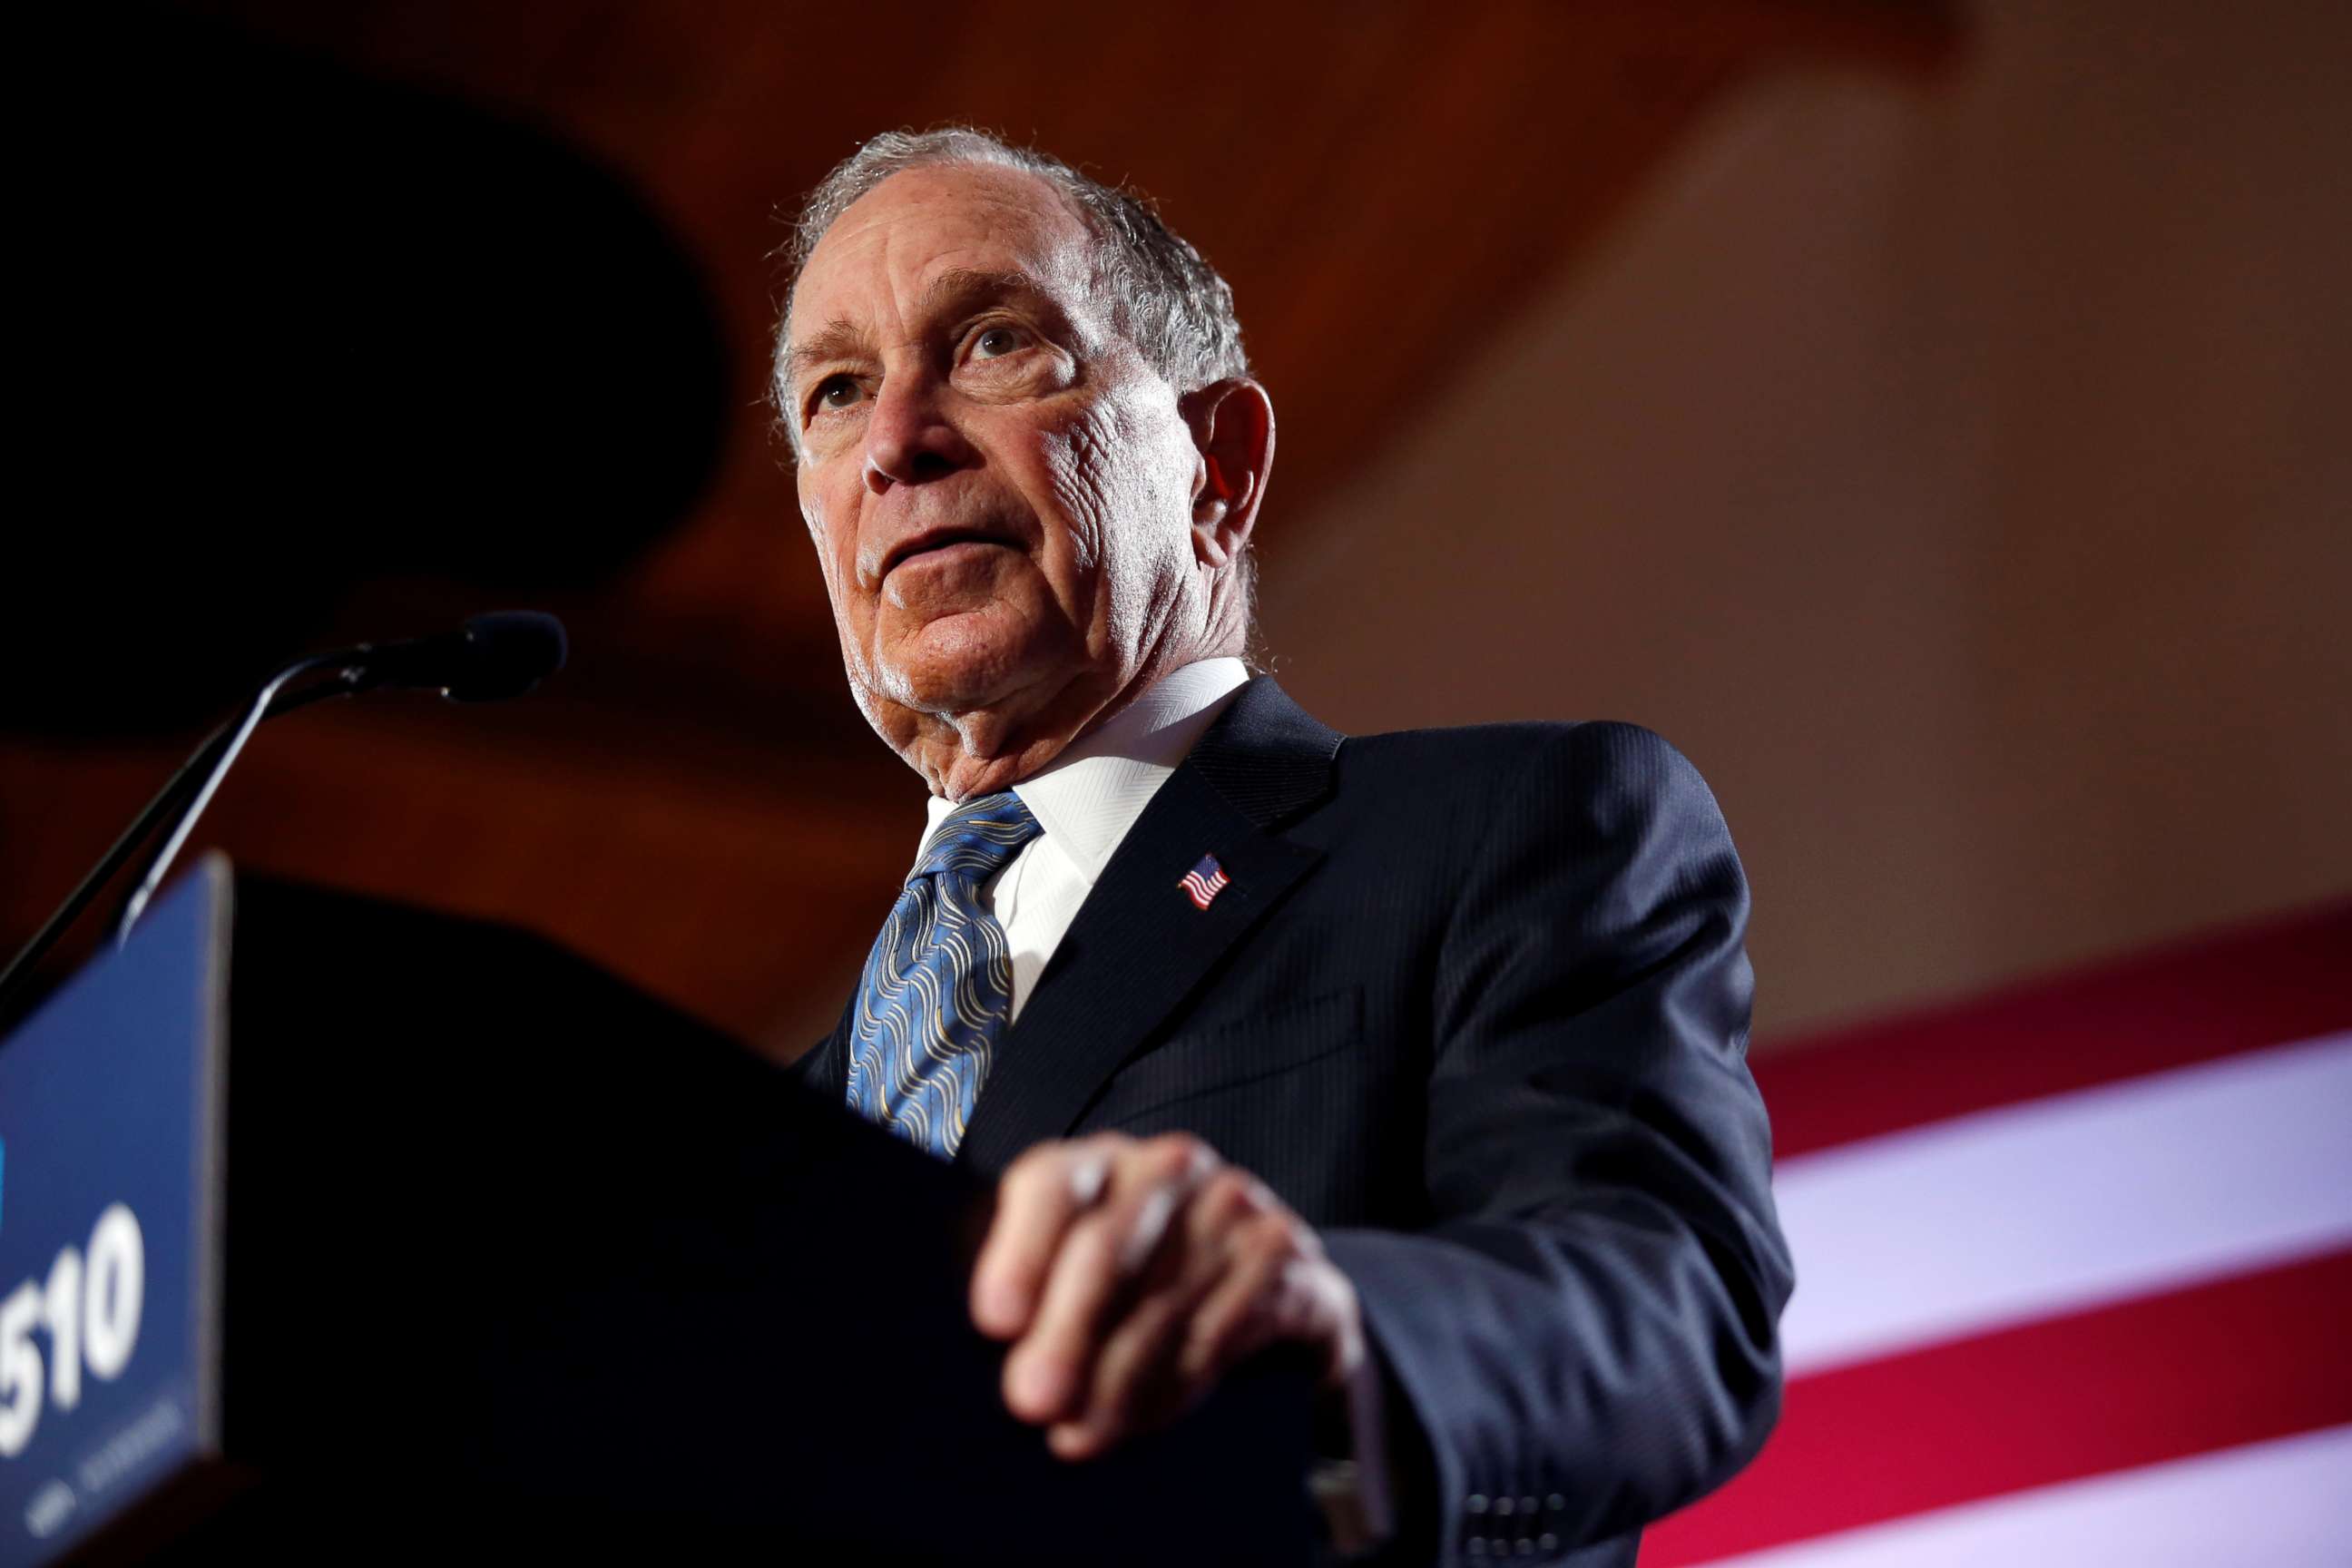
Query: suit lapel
x,y
825,1068
1139,945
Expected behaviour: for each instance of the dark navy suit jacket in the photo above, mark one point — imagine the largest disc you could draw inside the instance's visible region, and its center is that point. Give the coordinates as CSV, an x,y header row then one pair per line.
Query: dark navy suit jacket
x,y
1476,1005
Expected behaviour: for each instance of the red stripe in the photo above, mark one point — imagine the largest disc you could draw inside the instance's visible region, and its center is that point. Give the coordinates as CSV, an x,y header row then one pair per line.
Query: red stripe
x,y
2239,1361
2260,985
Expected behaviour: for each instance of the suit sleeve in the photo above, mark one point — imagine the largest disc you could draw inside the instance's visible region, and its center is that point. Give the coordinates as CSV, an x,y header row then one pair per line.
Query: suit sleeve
x,y
1591,1319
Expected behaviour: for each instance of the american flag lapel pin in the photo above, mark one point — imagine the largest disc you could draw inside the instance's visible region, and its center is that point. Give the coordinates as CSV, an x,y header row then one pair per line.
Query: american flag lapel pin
x,y
1204,881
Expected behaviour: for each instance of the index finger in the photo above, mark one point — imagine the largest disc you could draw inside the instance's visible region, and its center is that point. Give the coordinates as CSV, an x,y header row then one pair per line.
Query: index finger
x,y
1042,1193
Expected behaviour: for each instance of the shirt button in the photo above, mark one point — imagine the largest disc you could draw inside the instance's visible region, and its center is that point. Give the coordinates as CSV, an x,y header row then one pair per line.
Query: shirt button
x,y
1526,1547
1549,1541
1476,1503
1555,1503
1503,1506
1477,1546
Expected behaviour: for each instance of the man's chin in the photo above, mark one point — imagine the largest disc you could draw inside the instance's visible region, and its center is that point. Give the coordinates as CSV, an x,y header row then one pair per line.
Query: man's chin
x,y
943,696
950,670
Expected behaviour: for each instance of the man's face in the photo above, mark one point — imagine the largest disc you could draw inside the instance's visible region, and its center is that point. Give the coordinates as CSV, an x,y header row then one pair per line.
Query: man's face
x,y
999,485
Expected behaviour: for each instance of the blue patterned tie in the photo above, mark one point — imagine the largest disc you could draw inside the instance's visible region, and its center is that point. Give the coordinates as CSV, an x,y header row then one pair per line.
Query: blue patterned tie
x,y
937,989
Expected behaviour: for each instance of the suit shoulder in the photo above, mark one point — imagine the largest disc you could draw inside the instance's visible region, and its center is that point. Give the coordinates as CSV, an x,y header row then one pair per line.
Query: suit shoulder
x,y
1597,787
1602,757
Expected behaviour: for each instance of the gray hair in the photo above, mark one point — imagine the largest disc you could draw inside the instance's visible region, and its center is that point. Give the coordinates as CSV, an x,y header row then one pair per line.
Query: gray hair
x,y
1171,304
1169,301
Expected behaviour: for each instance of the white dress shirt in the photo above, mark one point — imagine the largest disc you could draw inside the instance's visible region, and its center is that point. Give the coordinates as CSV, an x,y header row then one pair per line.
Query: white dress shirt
x,y
1085,800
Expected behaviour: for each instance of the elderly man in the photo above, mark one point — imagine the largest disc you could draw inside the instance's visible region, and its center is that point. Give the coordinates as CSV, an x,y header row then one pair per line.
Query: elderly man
x,y
1421,1050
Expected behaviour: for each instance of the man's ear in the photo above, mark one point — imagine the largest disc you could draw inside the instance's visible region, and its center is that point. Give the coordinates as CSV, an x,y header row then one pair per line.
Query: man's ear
x,y
1232,423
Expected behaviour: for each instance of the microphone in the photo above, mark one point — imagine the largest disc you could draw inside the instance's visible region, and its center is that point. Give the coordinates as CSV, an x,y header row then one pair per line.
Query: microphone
x,y
491,659
494,657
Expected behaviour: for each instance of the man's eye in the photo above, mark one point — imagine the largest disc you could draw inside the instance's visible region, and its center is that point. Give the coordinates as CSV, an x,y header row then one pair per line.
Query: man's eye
x,y
834,392
996,342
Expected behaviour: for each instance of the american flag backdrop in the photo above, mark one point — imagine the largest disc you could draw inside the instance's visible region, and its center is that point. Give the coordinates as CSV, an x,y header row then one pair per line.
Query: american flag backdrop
x,y
2074,1276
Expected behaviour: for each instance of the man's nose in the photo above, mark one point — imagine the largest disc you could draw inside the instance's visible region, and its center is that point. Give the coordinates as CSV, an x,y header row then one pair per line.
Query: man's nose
x,y
910,439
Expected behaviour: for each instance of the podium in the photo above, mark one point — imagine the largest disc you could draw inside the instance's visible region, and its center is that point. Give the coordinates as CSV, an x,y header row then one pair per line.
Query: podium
x,y
332,1230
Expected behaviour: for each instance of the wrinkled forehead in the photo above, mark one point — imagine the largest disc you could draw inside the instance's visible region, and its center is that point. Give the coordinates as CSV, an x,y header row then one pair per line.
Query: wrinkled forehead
x,y
890,246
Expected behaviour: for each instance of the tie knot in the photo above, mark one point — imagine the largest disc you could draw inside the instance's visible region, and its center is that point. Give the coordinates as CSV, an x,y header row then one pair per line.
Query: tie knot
x,y
978,837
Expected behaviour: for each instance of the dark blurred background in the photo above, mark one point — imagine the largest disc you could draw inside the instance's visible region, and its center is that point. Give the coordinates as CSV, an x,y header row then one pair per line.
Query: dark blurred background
x,y
1928,415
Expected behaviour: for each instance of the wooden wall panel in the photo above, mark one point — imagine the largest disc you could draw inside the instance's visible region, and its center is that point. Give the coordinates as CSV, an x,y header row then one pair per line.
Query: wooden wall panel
x,y
694,800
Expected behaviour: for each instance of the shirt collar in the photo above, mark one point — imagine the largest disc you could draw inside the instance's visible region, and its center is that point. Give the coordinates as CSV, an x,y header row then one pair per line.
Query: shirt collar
x,y
1087,798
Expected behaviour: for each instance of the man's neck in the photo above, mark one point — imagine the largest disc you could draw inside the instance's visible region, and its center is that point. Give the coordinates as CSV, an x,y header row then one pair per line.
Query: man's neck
x,y
1087,798
963,756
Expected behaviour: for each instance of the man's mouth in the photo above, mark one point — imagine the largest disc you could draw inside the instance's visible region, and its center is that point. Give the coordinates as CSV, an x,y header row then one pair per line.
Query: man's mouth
x,y
933,540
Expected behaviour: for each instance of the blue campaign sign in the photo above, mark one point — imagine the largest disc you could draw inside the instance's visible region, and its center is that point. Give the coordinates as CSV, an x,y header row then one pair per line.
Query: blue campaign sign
x,y
110,1138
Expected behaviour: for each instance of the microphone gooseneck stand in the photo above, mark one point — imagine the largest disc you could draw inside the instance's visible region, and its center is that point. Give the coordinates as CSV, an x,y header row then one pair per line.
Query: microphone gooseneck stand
x,y
224,744
495,657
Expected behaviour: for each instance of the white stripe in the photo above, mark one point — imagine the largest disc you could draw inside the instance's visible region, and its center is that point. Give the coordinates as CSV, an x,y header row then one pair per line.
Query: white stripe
x,y
2056,1205
2284,1504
